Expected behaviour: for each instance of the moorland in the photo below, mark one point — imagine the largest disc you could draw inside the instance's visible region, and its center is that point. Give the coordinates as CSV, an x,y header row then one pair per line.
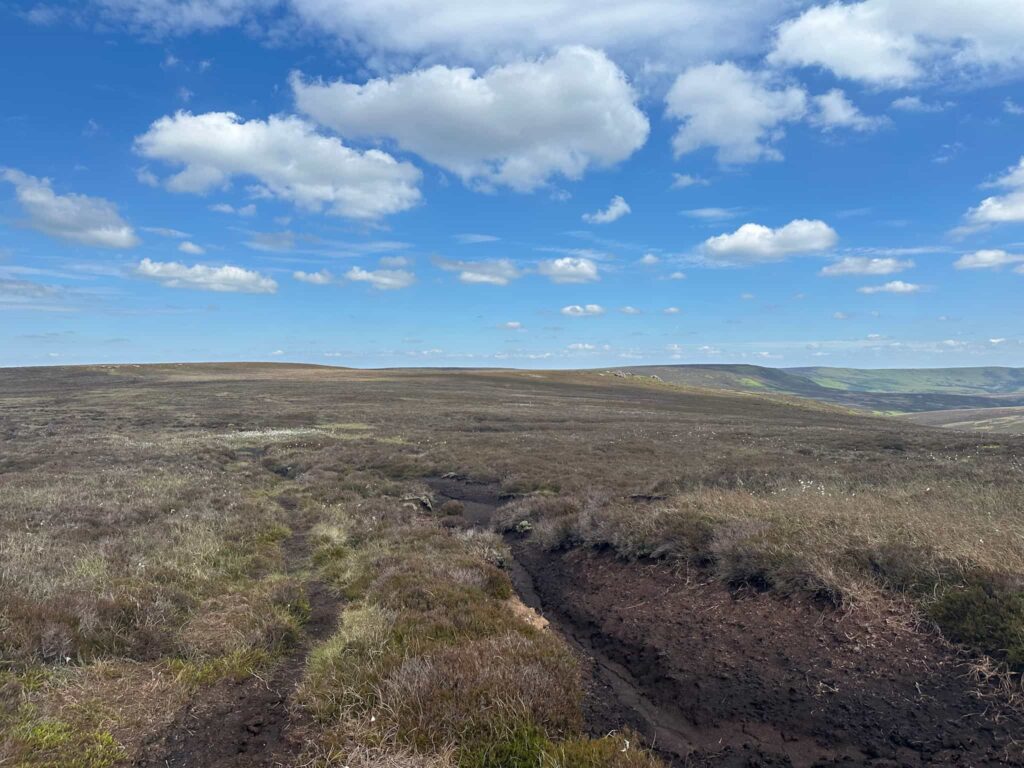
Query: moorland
x,y
264,565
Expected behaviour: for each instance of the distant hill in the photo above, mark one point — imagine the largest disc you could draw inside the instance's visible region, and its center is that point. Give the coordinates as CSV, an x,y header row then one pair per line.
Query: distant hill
x,y
950,381
940,388
997,420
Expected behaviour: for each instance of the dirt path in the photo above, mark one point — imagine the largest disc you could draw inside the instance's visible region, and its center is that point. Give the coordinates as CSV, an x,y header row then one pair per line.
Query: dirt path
x,y
249,723
715,678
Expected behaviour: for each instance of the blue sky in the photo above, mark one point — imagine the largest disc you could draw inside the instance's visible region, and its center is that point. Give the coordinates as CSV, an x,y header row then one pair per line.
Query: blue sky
x,y
544,184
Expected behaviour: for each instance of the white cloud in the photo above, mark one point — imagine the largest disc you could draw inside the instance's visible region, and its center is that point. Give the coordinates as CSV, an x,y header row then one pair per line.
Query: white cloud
x,y
671,310
987,259
654,33
512,325
323,277
754,243
517,125
490,272
226,279
581,347
1011,107
166,232
627,310
677,276
287,156
711,214
616,209
684,180
835,110
191,248
244,210
393,262
840,316
72,217
739,113
895,42
585,310
916,104
382,279
863,265
894,286
471,238
1001,209
569,270
649,259
147,177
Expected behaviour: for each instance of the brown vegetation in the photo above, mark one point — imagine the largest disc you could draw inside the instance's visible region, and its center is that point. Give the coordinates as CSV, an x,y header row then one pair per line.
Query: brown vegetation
x,y
146,515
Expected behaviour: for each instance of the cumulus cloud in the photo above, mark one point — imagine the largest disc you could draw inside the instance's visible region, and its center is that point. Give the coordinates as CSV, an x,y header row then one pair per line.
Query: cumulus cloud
x,y
648,31
616,209
834,110
76,218
755,243
585,310
323,277
382,279
569,270
987,259
191,248
490,272
1007,208
863,265
225,279
649,259
671,310
516,125
895,42
627,310
288,158
512,325
894,286
738,113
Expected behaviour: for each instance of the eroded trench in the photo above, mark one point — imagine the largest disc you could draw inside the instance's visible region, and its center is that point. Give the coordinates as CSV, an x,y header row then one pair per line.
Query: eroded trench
x,y
615,697
712,678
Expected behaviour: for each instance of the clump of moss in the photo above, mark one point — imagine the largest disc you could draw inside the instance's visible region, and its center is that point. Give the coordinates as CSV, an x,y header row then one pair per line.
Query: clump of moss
x,y
58,744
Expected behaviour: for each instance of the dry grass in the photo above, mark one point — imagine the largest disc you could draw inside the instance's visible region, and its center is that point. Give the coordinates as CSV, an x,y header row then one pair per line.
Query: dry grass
x,y
144,513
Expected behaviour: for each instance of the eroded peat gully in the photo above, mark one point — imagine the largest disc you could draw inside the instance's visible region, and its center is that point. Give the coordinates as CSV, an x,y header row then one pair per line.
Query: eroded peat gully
x,y
713,677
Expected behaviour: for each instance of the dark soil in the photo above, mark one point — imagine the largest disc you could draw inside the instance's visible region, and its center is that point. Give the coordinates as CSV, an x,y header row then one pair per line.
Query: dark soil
x,y
714,677
249,723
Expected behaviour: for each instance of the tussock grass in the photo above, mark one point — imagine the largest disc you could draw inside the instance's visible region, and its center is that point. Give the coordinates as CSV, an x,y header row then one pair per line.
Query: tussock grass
x,y
956,551
431,660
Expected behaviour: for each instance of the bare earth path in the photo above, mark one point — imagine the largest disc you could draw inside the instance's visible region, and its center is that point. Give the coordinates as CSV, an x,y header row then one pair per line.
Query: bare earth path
x,y
250,723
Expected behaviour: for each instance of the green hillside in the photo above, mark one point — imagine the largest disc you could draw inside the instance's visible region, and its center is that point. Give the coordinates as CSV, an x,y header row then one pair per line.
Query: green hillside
x,y
900,391
951,381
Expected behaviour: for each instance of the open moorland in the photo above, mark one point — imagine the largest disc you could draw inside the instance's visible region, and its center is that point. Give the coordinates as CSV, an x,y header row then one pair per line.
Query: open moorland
x,y
277,565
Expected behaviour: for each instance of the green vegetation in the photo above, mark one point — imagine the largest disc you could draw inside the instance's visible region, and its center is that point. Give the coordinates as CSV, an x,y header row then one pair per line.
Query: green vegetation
x,y
432,656
950,381
881,391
